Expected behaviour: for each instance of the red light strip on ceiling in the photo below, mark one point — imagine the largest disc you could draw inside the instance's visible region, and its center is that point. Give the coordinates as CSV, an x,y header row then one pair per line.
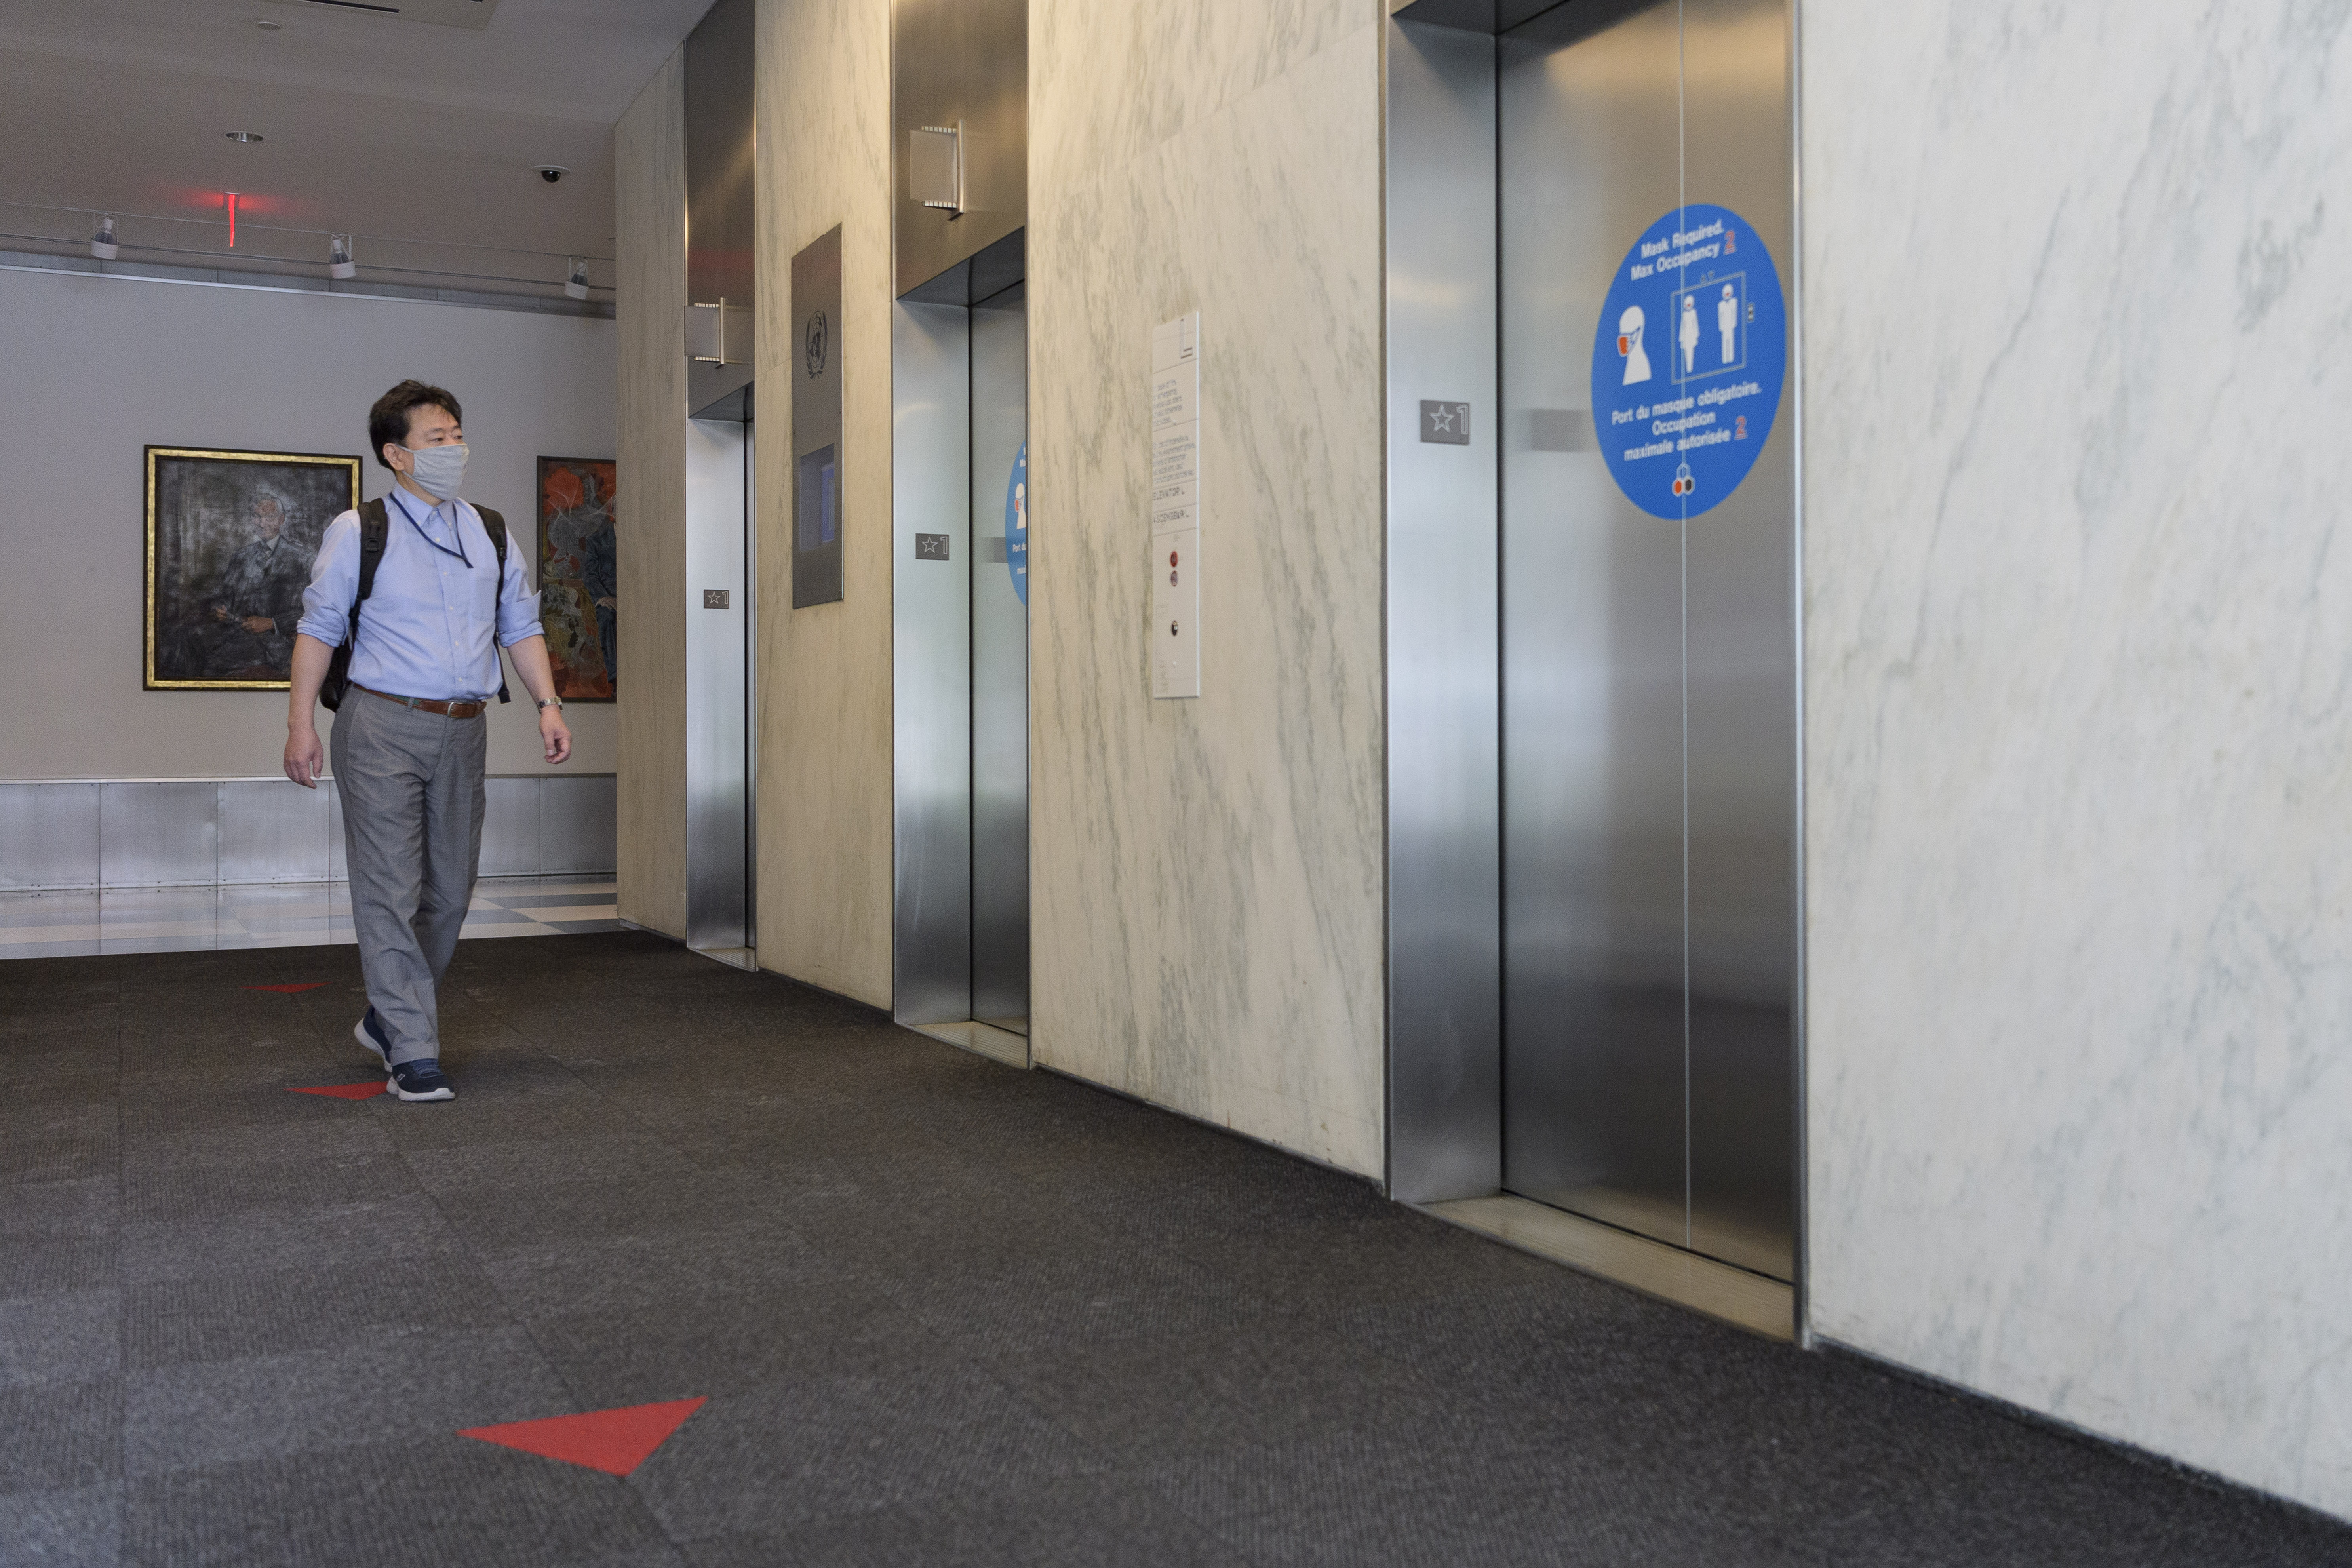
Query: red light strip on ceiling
x,y
230,198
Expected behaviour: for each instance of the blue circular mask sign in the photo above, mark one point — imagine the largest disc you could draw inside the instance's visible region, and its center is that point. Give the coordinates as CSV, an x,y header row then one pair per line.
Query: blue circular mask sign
x,y
1689,360
1016,523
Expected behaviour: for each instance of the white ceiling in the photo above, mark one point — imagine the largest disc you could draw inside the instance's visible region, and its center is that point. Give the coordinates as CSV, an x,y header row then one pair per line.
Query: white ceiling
x,y
420,138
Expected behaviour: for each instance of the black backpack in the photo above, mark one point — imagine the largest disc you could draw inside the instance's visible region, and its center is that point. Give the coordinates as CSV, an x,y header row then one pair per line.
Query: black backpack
x,y
375,527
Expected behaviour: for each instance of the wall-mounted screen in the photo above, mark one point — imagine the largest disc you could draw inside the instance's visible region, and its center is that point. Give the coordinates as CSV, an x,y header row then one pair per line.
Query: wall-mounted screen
x,y
817,516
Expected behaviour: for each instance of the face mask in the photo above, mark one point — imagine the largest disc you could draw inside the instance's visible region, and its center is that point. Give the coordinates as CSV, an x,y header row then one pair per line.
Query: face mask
x,y
439,469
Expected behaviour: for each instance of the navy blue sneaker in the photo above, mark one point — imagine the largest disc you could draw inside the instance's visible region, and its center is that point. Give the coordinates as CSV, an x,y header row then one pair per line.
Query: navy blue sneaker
x,y
369,1032
421,1080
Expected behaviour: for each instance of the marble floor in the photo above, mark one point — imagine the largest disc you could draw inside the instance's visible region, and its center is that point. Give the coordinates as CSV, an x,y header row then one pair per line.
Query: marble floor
x,y
278,915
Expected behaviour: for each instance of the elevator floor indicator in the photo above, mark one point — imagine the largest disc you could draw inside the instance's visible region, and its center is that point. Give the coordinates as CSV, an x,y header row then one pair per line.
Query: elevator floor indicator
x,y
1688,360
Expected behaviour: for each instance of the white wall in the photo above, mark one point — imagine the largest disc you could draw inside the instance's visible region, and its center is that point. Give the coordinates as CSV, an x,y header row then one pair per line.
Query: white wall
x,y
96,368
2079,749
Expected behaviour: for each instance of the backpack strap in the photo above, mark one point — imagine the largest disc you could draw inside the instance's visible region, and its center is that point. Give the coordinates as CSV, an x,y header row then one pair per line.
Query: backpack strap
x,y
496,527
374,529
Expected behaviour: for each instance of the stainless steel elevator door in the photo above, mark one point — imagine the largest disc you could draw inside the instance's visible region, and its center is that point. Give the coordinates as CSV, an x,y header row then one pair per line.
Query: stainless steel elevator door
x,y
999,662
1649,694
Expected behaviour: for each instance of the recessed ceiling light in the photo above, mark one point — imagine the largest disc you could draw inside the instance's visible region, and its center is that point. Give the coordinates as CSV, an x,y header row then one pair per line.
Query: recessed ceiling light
x,y
247,136
267,26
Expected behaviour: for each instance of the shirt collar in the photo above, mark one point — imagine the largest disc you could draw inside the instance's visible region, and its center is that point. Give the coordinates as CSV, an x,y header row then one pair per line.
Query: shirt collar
x,y
408,504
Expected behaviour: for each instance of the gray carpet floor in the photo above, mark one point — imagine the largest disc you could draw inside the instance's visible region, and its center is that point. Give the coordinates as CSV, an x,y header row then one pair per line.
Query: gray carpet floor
x,y
943,1312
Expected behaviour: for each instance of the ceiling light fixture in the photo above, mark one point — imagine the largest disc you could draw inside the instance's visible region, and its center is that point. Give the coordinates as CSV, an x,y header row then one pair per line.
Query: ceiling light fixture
x,y
102,244
338,257
245,136
576,285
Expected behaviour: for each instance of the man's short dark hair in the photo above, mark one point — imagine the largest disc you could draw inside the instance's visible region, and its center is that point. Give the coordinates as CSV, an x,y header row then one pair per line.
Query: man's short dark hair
x,y
388,420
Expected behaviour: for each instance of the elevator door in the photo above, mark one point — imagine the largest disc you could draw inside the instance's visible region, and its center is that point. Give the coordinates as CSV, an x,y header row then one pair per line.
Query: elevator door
x,y
721,747
1648,661
1000,661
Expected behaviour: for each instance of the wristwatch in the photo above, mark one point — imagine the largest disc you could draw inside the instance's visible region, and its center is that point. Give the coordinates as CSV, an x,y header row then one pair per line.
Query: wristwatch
x,y
555,702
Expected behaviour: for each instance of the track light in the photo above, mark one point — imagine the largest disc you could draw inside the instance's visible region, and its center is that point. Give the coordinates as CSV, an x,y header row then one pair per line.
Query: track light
x,y
577,284
102,244
338,257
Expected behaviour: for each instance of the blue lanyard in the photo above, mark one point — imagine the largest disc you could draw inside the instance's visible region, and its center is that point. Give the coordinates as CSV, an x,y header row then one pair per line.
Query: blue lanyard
x,y
456,527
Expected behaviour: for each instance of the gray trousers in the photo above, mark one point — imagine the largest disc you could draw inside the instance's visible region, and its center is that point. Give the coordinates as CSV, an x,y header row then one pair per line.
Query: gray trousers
x,y
412,792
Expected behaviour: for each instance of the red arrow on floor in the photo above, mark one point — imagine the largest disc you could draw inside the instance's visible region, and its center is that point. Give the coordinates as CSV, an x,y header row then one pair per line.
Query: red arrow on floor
x,y
288,990
613,1441
344,1091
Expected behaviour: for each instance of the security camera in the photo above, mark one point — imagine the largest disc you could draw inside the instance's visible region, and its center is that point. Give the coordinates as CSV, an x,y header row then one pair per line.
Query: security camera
x,y
551,173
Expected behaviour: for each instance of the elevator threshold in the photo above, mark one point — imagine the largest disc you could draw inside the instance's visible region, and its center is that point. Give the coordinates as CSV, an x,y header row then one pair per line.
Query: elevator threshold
x,y
982,1039
1761,1306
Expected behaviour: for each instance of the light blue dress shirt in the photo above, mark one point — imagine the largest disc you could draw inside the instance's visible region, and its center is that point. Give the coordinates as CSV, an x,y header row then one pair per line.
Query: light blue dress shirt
x,y
429,625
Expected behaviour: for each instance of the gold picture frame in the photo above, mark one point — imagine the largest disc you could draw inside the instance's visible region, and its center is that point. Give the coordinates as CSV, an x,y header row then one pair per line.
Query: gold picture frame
x,y
230,539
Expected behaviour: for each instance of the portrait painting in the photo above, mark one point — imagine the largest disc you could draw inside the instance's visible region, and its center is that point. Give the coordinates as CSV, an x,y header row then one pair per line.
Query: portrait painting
x,y
230,538
579,584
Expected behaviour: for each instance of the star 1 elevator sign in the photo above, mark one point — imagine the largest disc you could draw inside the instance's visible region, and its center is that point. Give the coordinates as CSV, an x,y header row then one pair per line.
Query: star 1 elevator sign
x,y
1689,360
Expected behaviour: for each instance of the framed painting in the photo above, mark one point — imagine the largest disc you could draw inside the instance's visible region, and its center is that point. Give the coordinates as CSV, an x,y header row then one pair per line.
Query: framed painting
x,y
579,581
230,536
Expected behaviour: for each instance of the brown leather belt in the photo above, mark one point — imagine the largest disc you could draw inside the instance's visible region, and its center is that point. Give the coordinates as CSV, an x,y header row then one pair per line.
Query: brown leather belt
x,y
429,704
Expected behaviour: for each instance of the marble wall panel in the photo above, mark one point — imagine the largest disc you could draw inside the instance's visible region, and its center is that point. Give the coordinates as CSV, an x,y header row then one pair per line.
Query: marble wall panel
x,y
2078,747
1207,874
1109,83
649,158
822,102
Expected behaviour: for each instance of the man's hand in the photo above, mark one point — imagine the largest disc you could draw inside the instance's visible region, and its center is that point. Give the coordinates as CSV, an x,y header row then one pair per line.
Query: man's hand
x,y
530,656
554,732
306,759
259,624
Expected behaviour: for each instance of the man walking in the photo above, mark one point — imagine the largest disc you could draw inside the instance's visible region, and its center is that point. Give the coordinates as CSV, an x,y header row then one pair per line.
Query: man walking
x,y
409,737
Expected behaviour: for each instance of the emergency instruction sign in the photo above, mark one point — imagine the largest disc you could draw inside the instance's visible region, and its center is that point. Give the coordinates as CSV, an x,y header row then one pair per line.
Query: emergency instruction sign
x,y
1689,360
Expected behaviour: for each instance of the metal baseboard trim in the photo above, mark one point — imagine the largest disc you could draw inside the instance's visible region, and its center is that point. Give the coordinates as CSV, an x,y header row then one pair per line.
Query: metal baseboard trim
x,y
981,1039
1750,1301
